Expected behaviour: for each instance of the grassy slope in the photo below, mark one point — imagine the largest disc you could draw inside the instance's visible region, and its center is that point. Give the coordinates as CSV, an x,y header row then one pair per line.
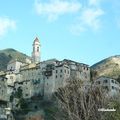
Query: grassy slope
x,y
108,67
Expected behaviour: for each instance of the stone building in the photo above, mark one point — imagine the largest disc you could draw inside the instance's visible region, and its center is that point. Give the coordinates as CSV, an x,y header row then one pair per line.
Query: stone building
x,y
14,65
3,96
32,80
38,80
42,78
108,84
3,87
56,74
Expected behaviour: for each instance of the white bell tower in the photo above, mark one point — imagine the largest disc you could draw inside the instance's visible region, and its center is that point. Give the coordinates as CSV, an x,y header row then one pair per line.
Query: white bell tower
x,y
36,51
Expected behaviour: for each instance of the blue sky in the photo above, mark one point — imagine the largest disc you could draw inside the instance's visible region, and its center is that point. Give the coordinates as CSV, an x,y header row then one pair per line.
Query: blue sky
x,y
86,31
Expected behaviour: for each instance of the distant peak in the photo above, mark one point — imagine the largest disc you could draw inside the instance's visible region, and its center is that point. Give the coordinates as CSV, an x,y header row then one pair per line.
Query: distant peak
x,y
115,56
10,49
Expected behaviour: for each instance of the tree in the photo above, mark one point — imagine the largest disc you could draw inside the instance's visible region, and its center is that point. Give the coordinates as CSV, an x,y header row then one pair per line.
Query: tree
x,y
93,74
113,103
76,103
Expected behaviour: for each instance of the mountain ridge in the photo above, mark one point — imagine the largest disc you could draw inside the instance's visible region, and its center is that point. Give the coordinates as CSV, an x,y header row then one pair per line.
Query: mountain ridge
x,y
6,55
109,67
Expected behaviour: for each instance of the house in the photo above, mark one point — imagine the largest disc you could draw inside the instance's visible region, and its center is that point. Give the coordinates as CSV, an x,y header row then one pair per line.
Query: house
x,y
110,85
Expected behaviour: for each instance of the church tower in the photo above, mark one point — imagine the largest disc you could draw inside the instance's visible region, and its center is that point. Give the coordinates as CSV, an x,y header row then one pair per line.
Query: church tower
x,y
36,51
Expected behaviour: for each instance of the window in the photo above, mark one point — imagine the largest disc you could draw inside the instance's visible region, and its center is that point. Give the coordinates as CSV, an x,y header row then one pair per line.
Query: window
x,y
105,81
106,87
112,81
68,71
113,87
56,76
37,49
61,71
65,71
60,76
11,68
56,71
36,107
26,94
98,82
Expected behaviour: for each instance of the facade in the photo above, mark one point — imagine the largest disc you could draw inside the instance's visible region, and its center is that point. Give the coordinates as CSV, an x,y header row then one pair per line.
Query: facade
x,y
56,74
32,80
3,96
3,88
36,51
110,85
44,78
14,66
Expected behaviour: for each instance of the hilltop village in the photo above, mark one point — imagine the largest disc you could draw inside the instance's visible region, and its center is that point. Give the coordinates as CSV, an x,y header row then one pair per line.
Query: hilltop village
x,y
40,79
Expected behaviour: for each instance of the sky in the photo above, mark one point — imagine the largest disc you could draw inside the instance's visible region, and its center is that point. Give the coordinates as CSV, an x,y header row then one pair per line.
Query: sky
x,y
85,31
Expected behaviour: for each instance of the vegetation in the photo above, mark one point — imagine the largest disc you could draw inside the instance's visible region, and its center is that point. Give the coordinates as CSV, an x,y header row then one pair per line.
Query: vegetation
x,y
74,103
113,103
93,74
10,54
109,67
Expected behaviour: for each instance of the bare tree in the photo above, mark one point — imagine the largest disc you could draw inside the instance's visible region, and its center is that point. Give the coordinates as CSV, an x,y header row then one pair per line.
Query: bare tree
x,y
77,103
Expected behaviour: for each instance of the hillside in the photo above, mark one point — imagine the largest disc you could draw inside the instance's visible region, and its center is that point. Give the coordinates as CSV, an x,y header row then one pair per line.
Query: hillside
x,y
109,67
7,55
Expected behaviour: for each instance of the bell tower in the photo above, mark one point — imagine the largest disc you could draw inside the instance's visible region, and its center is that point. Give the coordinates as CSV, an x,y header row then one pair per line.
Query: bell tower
x,y
36,51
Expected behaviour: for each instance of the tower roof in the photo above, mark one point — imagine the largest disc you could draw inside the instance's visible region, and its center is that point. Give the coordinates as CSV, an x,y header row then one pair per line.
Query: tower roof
x,y
36,40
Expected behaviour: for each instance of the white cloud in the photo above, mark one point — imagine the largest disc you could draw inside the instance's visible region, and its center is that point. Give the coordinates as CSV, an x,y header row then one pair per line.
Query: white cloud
x,y
91,18
6,24
54,8
94,2
88,15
